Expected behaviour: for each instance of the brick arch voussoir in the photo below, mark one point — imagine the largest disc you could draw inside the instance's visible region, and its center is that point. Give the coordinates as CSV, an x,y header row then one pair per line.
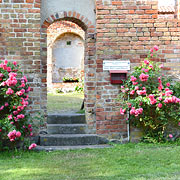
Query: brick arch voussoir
x,y
73,16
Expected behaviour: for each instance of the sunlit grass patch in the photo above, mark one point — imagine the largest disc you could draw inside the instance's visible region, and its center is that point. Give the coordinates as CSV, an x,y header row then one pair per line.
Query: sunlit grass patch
x,y
65,102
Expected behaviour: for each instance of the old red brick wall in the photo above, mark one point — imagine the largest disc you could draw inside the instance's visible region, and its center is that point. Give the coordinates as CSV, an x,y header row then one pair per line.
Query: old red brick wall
x,y
178,8
127,29
20,41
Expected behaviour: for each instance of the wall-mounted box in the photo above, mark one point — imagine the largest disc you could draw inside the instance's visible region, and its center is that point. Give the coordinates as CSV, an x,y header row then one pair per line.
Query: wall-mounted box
x,y
117,76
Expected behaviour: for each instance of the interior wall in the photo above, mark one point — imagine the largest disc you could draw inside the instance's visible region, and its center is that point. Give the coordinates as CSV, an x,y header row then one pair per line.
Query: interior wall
x,y
68,59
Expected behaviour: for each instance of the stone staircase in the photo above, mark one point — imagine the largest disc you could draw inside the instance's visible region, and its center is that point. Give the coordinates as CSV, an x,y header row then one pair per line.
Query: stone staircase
x,y
69,132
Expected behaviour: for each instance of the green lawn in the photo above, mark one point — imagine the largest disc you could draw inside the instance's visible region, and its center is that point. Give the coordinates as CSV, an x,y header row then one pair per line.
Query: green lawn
x,y
66,102
122,162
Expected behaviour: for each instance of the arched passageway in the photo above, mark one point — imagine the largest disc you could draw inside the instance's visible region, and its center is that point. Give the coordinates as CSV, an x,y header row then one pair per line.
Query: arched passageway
x,y
89,58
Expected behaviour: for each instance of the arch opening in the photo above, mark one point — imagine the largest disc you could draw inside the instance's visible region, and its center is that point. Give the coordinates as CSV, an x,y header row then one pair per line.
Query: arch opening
x,y
65,66
88,30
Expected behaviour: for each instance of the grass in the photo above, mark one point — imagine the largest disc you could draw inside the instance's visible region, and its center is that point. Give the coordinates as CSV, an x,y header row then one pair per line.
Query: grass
x,y
122,162
66,102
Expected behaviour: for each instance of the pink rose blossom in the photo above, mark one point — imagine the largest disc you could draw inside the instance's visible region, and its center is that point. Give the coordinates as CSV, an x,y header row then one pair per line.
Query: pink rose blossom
x,y
144,77
132,92
136,88
151,66
133,79
160,87
146,62
10,117
136,112
159,105
32,146
12,81
129,105
161,66
168,93
154,101
12,135
135,83
24,79
20,116
6,61
170,135
18,134
168,84
122,111
151,50
141,92
14,63
15,112
8,69
156,48
3,83
151,96
9,91
132,111
1,108
29,89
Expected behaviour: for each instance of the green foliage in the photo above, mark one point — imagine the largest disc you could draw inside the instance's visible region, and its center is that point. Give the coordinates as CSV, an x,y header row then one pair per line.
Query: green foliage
x,y
80,87
70,79
148,98
176,89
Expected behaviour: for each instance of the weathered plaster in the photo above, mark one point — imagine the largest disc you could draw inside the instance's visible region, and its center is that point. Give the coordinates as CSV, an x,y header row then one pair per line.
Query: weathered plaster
x,y
84,7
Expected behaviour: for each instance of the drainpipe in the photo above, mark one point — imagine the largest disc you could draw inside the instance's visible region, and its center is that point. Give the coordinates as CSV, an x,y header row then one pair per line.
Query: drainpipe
x,y
128,126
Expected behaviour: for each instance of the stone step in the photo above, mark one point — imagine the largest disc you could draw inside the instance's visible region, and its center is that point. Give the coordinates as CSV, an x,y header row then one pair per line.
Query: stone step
x,y
59,148
66,128
71,139
66,119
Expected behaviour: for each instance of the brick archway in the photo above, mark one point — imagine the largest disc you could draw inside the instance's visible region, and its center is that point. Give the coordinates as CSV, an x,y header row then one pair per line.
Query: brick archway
x,y
89,61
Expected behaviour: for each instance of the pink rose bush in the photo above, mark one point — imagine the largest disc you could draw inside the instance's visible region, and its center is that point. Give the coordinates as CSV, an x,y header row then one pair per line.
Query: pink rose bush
x,y
14,97
150,101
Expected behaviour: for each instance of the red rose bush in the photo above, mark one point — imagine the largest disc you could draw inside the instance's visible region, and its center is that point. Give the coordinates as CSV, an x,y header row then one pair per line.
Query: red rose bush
x,y
14,126
149,100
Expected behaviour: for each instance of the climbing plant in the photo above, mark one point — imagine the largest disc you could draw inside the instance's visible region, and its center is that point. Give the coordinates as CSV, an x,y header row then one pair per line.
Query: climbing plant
x,y
149,100
14,124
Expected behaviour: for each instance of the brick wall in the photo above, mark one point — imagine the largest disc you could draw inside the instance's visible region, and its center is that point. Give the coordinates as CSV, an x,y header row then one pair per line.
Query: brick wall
x,y
127,29
20,40
178,8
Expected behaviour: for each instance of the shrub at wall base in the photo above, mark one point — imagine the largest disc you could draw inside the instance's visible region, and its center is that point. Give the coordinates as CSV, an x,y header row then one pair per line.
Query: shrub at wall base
x,y
14,126
149,100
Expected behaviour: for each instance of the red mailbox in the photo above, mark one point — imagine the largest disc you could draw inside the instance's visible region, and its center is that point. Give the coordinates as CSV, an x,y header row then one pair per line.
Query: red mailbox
x,y
117,76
